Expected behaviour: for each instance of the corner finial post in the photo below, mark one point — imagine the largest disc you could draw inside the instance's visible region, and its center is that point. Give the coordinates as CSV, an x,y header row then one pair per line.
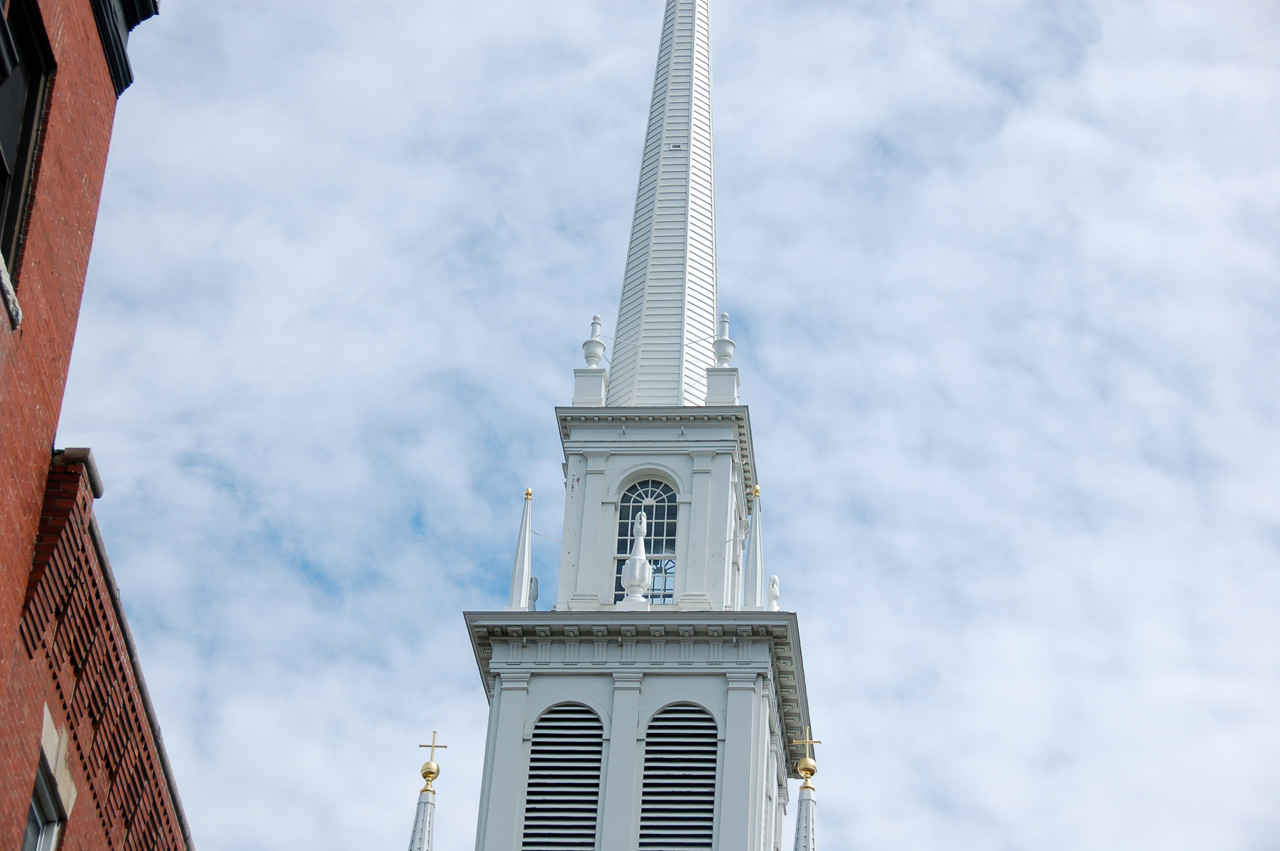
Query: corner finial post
x,y
723,346
593,348
522,567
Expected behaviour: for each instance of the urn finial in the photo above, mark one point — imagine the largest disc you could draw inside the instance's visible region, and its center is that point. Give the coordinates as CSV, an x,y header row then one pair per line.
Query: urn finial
x,y
723,346
593,349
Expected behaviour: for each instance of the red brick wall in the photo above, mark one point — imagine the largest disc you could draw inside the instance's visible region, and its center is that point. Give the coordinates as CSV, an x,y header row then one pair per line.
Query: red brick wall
x,y
70,655
50,280
61,643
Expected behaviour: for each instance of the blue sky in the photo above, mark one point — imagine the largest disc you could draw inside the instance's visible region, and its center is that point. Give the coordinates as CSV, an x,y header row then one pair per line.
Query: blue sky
x,y
1005,284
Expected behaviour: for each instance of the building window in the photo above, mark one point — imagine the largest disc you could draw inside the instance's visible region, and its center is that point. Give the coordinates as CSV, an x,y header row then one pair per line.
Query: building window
x,y
44,820
659,503
678,799
26,63
562,800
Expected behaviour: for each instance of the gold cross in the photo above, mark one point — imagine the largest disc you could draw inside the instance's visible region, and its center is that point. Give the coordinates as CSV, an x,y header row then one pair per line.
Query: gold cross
x,y
433,746
808,741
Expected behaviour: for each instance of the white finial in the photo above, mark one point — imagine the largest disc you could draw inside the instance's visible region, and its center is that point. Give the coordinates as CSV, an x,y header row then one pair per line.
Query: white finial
x,y
723,346
774,593
636,572
533,593
522,569
593,349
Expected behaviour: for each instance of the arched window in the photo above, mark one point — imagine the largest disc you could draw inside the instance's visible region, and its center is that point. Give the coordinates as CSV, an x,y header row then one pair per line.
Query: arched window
x,y
678,800
562,799
659,503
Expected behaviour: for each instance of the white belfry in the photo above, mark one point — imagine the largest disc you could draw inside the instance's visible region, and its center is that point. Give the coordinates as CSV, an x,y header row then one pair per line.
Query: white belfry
x,y
667,317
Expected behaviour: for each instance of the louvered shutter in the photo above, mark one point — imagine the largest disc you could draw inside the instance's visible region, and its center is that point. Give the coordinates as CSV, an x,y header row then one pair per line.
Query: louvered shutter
x,y
563,795
677,810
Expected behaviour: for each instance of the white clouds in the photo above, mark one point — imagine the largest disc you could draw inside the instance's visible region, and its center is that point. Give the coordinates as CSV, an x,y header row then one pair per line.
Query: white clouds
x,y
1003,278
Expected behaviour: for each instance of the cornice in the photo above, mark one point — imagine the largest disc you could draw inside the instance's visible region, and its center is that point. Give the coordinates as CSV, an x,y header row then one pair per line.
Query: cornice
x,y
779,629
116,19
666,414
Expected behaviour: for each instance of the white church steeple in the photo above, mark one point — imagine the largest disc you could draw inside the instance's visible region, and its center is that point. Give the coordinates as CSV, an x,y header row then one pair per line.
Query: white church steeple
x,y
661,702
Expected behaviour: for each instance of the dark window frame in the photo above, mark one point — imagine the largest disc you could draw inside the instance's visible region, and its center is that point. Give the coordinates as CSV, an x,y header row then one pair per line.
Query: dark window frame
x,y
36,67
45,817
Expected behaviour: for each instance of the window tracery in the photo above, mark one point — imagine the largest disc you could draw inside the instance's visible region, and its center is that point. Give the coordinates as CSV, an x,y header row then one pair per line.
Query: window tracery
x,y
658,500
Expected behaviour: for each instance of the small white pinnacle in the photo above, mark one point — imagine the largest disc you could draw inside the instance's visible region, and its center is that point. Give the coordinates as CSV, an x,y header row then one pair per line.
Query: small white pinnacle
x,y
593,349
723,346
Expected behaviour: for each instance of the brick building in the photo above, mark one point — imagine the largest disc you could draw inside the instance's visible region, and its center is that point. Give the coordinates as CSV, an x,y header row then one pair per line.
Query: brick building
x,y
82,765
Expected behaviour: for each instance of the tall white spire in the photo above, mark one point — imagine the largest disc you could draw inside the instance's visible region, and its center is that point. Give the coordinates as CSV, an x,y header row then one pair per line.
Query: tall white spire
x,y
667,316
522,587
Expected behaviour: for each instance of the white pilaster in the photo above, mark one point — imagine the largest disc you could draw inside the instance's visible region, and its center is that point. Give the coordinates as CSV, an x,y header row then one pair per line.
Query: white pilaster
x,y
622,779
742,763
503,813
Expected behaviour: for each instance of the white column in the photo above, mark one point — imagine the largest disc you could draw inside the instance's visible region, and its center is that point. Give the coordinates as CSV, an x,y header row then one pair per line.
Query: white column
x,y
621,823
741,765
504,811
585,571
696,585
571,548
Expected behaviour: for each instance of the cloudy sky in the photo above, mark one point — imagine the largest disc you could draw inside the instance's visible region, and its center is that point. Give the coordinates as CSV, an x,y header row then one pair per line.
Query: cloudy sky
x,y
1005,280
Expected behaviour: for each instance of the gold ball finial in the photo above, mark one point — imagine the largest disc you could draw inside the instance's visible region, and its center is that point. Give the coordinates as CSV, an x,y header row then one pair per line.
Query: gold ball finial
x,y
528,493
806,768
430,771
757,491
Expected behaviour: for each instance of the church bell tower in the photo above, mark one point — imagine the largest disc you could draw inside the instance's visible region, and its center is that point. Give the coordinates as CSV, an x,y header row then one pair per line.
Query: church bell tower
x,y
661,703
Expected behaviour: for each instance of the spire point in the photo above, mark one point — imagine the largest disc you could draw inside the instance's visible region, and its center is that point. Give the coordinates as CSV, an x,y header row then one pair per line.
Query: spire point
x,y
522,567
667,314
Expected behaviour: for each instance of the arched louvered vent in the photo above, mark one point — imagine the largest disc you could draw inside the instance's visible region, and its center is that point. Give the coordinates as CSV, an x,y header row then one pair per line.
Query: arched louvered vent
x,y
678,804
564,781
